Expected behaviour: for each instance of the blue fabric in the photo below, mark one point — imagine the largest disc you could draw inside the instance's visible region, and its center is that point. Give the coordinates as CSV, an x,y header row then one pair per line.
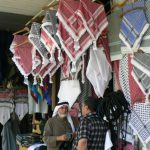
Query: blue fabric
x,y
133,23
46,94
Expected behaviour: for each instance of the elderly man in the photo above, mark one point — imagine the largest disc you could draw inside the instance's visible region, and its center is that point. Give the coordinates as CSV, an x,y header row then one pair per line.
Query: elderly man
x,y
57,129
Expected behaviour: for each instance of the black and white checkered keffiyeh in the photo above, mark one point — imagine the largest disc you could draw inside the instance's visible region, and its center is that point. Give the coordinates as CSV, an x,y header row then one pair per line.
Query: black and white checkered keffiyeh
x,y
140,121
49,25
34,38
123,77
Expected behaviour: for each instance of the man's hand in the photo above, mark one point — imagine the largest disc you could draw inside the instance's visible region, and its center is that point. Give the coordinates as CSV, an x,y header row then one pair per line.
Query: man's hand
x,y
62,137
82,144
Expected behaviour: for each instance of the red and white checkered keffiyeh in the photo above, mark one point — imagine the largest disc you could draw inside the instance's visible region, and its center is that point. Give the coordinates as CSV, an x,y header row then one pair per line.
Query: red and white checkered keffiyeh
x,y
22,50
94,18
38,66
65,68
57,65
68,44
71,21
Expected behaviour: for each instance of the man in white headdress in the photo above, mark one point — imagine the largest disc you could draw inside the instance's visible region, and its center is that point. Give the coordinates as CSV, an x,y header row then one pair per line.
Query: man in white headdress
x,y
59,128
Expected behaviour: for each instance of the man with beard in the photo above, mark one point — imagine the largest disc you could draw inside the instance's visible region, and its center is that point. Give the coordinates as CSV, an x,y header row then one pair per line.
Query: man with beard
x,y
58,129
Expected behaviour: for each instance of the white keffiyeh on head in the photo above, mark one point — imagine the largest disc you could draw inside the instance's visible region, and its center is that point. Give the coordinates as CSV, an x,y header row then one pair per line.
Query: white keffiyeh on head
x,y
55,112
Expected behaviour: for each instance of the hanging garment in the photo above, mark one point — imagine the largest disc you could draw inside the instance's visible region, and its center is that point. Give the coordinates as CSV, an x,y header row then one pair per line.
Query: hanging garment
x,y
34,38
94,18
22,52
67,14
49,25
45,71
69,91
102,42
68,44
113,38
140,120
100,74
48,43
124,77
132,30
48,34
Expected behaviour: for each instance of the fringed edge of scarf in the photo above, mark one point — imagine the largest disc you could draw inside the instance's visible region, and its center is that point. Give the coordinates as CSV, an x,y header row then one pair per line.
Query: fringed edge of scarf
x,y
87,45
70,31
49,34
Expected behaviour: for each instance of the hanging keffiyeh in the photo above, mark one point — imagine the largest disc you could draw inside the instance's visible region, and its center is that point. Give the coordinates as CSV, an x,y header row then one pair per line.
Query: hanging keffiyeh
x,y
123,77
22,53
140,121
134,25
68,44
71,21
34,38
94,18
48,34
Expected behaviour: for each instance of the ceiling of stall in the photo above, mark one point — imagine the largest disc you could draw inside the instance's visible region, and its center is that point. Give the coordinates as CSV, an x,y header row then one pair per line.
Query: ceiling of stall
x,y
15,13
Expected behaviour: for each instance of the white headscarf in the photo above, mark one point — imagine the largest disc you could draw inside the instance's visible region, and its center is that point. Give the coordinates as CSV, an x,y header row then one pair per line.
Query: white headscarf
x,y
55,112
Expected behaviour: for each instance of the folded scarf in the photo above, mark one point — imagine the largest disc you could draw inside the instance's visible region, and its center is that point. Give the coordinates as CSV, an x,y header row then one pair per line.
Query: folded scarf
x,y
145,43
134,25
113,38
